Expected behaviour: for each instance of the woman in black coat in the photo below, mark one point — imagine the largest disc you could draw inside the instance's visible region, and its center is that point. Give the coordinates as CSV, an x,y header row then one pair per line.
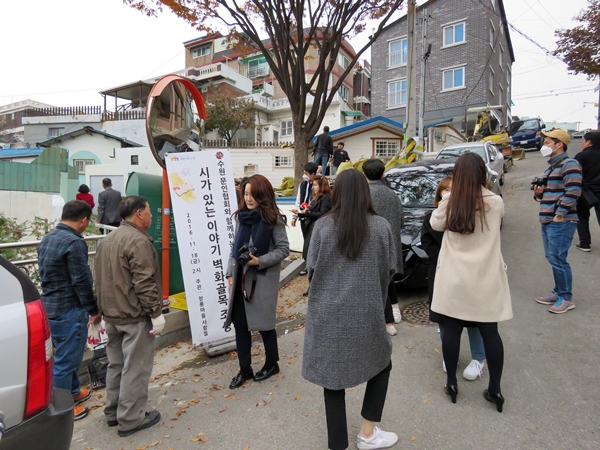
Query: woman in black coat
x,y
319,205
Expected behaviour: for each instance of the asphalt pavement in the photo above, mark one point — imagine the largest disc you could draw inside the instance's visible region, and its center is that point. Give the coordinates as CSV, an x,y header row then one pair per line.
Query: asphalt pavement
x,y
550,379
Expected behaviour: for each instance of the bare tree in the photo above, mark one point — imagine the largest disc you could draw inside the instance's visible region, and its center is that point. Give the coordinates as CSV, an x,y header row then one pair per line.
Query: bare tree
x,y
580,46
291,28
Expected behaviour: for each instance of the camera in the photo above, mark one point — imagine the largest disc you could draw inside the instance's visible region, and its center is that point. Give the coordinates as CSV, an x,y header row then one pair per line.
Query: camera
x,y
537,181
244,254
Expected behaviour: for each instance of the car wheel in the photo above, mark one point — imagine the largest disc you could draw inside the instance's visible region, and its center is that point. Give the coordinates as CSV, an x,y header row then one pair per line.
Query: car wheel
x,y
538,146
504,169
501,180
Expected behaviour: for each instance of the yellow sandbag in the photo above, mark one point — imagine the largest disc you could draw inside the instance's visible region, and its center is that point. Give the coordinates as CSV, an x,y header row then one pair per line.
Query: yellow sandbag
x,y
343,166
358,165
286,183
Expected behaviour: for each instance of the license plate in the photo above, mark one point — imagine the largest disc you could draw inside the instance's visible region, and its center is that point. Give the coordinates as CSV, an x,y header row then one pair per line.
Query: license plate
x,y
523,142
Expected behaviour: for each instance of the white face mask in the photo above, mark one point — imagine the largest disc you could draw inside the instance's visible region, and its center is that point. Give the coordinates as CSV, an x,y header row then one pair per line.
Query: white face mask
x,y
305,177
546,151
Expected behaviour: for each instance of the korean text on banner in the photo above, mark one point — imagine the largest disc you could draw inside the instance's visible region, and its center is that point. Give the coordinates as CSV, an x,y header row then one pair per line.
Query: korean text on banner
x,y
204,198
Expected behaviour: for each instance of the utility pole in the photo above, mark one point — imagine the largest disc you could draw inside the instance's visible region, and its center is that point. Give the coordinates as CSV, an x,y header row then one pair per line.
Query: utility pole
x,y
425,50
410,126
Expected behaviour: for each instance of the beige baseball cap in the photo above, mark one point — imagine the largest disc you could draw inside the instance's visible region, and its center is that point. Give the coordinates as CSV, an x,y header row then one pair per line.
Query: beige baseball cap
x,y
559,134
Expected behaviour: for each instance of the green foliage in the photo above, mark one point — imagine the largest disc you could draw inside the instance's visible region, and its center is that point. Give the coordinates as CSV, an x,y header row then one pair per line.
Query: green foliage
x,y
227,113
580,46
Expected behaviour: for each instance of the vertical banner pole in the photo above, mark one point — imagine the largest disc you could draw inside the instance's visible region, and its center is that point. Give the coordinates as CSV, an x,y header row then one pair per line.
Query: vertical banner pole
x,y
166,234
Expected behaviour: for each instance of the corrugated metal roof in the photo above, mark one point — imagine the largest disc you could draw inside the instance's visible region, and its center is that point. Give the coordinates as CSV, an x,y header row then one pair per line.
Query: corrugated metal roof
x,y
370,123
87,130
20,152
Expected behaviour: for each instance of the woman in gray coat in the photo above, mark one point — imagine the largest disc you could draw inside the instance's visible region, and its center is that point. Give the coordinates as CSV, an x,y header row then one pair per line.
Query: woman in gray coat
x,y
253,275
351,261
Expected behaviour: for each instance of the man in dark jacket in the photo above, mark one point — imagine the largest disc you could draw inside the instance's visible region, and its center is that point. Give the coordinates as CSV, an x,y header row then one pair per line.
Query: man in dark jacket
x,y
304,194
339,156
387,205
108,204
68,297
589,159
323,151
128,286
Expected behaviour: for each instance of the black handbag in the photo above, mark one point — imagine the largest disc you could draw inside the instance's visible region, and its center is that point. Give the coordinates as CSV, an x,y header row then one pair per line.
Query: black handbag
x,y
589,197
97,366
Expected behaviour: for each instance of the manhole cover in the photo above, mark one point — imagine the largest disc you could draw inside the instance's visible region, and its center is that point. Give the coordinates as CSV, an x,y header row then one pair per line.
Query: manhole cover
x,y
417,313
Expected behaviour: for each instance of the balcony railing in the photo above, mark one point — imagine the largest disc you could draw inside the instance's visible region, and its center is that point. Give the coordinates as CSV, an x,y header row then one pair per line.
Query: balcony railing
x,y
63,111
258,71
216,71
124,115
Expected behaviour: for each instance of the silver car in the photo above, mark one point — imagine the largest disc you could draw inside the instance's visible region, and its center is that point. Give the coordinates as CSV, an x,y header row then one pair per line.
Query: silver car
x,y
493,158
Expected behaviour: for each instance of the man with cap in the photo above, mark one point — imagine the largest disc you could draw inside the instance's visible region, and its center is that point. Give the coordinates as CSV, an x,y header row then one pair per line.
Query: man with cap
x,y
589,158
558,215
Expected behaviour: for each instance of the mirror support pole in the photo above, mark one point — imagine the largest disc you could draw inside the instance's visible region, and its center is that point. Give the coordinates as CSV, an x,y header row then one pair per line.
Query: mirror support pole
x,y
166,234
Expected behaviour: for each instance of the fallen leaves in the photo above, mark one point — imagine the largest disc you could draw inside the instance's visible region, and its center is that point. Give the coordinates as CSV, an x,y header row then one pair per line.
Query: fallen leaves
x,y
200,439
297,397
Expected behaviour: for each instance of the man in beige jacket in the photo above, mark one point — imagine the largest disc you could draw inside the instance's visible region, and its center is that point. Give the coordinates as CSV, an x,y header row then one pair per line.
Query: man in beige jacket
x,y
129,292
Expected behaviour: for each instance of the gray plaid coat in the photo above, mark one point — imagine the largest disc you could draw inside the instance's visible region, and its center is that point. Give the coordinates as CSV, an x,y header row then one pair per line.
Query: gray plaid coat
x,y
346,342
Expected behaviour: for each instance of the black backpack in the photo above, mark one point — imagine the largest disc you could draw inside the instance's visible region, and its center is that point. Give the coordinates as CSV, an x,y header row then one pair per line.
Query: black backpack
x,y
97,366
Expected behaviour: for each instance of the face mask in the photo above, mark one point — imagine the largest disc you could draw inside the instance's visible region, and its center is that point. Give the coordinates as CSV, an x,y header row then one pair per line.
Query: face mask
x,y
545,151
305,177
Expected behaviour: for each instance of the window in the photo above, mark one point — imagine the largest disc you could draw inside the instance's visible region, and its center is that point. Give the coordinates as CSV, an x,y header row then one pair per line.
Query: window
x,y
81,163
398,52
491,85
286,128
258,68
284,161
343,61
55,132
454,34
453,78
201,51
396,93
387,149
135,160
344,92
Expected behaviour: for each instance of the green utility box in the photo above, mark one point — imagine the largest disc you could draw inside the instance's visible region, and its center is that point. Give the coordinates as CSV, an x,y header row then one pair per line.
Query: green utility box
x,y
150,187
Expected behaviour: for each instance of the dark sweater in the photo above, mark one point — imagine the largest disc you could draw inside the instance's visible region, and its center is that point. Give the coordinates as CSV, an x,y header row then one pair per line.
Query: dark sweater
x,y
589,159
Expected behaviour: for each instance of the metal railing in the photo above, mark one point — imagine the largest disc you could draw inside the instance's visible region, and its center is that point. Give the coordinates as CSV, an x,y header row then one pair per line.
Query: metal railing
x,y
30,266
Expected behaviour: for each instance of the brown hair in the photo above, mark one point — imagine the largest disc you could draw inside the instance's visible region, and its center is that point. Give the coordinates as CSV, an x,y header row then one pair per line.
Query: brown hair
x,y
263,193
445,183
352,205
468,177
323,184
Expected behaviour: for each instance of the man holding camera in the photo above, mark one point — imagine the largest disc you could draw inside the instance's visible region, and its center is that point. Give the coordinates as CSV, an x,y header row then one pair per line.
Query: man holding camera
x,y
558,191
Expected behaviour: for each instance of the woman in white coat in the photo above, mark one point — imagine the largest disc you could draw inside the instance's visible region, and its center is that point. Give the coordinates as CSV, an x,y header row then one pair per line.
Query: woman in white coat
x,y
471,286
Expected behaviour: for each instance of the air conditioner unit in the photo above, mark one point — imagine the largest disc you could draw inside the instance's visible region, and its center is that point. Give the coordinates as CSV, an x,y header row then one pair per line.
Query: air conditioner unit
x,y
204,89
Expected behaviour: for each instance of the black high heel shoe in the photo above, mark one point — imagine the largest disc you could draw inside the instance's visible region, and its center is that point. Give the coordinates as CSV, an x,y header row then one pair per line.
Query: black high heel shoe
x,y
497,399
452,391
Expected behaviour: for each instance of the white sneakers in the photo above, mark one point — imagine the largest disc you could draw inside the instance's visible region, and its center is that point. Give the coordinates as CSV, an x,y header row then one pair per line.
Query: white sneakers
x,y
397,314
379,439
473,370
391,330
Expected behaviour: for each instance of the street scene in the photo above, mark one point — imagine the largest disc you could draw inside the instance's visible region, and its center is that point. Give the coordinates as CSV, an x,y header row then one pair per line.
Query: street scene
x,y
267,225
549,377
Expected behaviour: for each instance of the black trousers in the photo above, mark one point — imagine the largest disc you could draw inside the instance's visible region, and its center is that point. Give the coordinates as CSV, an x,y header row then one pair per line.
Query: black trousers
x,y
583,225
243,337
492,342
391,300
335,408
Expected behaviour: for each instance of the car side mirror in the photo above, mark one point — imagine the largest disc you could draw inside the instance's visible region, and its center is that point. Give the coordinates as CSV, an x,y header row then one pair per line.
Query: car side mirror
x,y
543,126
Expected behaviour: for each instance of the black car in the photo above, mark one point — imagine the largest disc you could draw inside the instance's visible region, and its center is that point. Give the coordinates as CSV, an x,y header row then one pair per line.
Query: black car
x,y
416,184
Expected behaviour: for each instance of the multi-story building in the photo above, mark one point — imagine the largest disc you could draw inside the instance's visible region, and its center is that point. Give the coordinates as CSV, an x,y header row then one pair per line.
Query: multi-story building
x,y
11,121
468,65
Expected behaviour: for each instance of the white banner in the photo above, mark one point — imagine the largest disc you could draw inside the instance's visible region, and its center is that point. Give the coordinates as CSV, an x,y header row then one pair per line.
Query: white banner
x,y
204,198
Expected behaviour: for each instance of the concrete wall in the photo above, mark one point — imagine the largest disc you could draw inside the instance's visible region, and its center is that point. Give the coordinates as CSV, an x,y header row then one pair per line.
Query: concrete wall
x,y
264,159
26,206
37,128
133,130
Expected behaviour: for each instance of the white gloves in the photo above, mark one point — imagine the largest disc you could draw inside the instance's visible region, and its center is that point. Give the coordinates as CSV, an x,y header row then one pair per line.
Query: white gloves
x,y
157,325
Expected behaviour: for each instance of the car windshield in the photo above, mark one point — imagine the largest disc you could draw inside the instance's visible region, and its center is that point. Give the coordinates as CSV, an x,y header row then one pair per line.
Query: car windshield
x,y
417,189
524,125
456,152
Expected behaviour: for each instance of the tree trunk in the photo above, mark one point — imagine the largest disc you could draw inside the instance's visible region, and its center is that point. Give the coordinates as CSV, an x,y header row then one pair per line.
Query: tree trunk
x,y
301,141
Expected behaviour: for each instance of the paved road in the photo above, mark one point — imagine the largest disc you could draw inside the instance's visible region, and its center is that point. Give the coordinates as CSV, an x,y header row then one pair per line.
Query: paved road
x,y
550,377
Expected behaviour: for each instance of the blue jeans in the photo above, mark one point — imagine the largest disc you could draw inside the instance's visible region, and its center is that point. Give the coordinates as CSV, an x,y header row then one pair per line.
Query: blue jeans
x,y
321,159
475,342
69,334
334,169
557,238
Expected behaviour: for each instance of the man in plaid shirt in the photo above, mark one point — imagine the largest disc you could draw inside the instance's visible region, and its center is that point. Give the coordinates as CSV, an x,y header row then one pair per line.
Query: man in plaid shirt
x,y
68,297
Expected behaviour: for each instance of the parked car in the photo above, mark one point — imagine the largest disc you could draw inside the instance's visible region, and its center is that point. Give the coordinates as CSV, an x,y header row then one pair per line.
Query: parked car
x,y
527,133
416,184
579,134
36,415
493,158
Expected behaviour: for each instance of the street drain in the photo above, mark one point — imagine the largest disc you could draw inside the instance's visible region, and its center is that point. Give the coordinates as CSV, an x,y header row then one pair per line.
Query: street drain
x,y
417,313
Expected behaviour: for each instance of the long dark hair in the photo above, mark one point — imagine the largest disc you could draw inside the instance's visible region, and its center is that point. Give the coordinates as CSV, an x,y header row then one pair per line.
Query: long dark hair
x,y
324,188
263,193
352,205
466,200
